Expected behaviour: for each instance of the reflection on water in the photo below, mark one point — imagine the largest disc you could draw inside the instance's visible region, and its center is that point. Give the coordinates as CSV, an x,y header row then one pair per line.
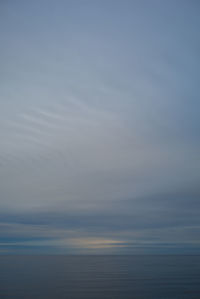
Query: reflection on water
x,y
71,277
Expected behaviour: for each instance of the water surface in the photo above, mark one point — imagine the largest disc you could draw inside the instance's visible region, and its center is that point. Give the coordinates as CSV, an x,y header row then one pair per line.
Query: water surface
x,y
74,277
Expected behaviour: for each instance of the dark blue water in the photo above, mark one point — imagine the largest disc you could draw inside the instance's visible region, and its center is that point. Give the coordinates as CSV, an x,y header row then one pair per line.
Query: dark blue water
x,y
71,277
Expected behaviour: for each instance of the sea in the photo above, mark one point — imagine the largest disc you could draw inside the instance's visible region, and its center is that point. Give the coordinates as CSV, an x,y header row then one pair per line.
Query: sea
x,y
95,277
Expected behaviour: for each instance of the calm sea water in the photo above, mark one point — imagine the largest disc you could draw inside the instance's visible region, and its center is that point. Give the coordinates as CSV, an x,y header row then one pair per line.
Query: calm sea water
x,y
73,277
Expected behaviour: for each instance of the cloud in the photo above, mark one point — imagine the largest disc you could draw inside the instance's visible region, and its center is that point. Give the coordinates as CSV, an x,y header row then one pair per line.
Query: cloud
x,y
99,126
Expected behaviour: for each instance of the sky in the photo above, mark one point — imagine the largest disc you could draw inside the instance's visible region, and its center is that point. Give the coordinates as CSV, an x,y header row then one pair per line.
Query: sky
x,y
99,127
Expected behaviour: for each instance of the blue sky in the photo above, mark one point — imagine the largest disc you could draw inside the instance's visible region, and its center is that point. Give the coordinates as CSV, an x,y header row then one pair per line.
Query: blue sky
x,y
99,127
